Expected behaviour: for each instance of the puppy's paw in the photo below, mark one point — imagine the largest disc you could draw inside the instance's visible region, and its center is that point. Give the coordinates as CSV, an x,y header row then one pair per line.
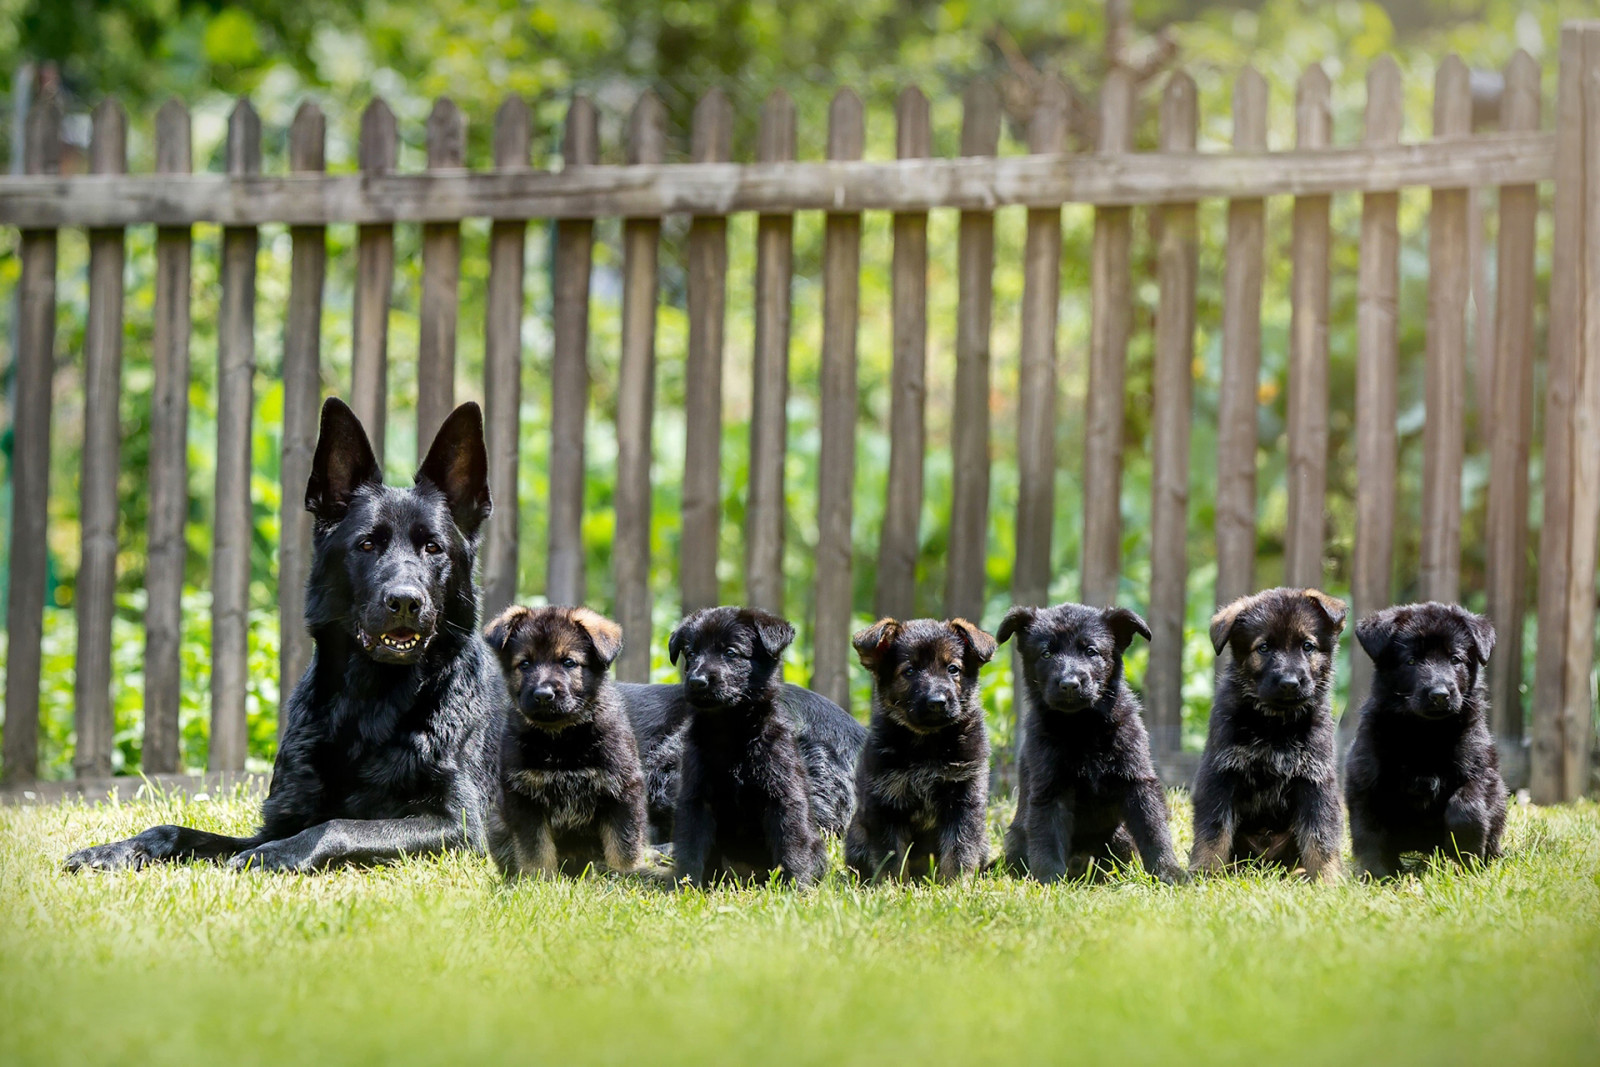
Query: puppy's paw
x,y
286,855
116,856
1172,874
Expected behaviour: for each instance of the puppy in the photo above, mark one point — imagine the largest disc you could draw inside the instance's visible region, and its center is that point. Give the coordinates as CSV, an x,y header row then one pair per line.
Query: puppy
x,y
571,788
744,807
1423,773
1268,787
1088,788
923,781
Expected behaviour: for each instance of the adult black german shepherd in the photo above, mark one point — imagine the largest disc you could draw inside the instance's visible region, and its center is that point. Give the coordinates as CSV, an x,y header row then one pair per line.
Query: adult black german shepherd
x,y
389,739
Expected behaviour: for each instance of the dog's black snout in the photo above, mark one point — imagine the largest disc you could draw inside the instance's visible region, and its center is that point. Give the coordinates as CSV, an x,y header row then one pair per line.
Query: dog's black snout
x,y
1072,686
697,683
544,695
1288,685
1439,696
938,702
405,603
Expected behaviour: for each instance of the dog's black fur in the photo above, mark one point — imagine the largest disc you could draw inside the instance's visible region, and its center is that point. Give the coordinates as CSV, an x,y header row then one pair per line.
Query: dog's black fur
x,y
922,786
744,805
571,788
1088,789
1423,773
389,738
1268,784
830,741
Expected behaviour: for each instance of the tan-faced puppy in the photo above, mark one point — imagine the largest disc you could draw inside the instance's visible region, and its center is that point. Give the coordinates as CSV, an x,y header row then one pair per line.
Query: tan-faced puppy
x,y
1268,786
923,780
1088,789
1423,773
744,798
571,789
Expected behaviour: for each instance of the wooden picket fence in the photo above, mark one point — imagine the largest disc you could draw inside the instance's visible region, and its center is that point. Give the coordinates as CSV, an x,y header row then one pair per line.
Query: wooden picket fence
x,y
711,187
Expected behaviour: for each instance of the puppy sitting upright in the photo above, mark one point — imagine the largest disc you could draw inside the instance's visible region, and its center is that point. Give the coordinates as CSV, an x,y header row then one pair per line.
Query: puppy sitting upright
x,y
1088,788
743,797
1423,773
572,792
1268,786
923,781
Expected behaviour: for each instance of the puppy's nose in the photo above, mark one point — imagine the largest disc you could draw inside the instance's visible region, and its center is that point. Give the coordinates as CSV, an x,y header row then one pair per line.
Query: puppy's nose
x,y
1439,696
1072,687
938,702
406,602
545,695
1288,685
697,683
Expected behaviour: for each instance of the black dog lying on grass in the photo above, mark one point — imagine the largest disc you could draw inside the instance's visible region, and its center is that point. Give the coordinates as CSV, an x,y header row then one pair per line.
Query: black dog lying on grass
x,y
571,788
744,795
1088,790
923,782
389,739
1423,773
1268,785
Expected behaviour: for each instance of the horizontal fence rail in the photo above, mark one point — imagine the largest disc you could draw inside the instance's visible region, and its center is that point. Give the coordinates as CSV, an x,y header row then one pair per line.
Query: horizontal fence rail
x,y
1113,178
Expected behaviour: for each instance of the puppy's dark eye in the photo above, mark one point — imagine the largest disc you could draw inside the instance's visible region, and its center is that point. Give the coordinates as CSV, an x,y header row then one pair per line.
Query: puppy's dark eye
x,y
367,544
733,653
525,665
1259,646
433,548
568,662
1411,661
954,669
1046,654
1308,646
1092,652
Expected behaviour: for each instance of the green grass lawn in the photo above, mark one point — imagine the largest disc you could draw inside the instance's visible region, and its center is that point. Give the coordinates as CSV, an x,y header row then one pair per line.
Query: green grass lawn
x,y
436,960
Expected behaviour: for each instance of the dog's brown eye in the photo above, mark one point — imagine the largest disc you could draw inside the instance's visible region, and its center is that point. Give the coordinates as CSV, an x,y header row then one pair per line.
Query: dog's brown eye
x,y
1046,654
955,670
1092,653
367,544
569,663
433,548
1309,646
525,665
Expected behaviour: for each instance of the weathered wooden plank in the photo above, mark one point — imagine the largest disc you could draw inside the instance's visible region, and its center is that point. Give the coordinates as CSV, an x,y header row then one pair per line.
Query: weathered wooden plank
x,y
95,595
726,188
900,542
168,548
1241,358
1377,367
369,360
707,298
636,391
836,483
1177,266
232,524
569,370
30,459
763,564
1506,538
1548,782
967,557
1036,372
1110,300
502,366
1308,349
302,394
441,283
1443,434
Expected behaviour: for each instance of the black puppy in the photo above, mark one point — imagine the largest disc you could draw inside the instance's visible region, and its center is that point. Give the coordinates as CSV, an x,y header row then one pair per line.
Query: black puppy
x,y
923,781
388,741
1268,785
1088,788
1423,773
744,807
571,788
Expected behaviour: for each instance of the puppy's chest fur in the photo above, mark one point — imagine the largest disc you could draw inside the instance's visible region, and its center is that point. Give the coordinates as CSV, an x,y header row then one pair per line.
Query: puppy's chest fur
x,y
564,777
1270,758
917,779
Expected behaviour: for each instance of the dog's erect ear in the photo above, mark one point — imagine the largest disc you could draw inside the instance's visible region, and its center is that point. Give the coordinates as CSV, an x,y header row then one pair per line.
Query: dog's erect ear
x,y
1222,622
682,635
872,644
1017,621
1332,608
344,463
458,466
1482,632
604,635
979,643
1125,625
499,631
774,632
1375,632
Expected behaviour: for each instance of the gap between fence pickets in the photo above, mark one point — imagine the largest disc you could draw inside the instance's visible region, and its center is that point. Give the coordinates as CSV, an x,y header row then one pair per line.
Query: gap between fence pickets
x,y
972,183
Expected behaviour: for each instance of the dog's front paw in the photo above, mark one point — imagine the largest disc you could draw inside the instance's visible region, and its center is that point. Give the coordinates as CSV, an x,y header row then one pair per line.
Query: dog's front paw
x,y
155,844
286,855
1172,874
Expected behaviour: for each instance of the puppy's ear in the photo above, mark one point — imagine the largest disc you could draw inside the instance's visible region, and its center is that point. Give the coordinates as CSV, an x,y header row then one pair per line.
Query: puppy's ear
x,y
343,463
979,643
872,644
1481,631
1332,608
1125,625
1017,621
1222,622
499,631
683,636
1376,631
774,632
458,466
604,635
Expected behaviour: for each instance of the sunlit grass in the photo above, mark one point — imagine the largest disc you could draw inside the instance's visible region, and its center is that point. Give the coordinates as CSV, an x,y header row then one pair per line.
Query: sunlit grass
x,y
434,960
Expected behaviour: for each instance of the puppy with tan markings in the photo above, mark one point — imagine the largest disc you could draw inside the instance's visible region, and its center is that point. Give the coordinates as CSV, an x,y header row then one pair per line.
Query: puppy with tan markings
x,y
744,803
571,788
1423,773
1268,786
1088,789
922,784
